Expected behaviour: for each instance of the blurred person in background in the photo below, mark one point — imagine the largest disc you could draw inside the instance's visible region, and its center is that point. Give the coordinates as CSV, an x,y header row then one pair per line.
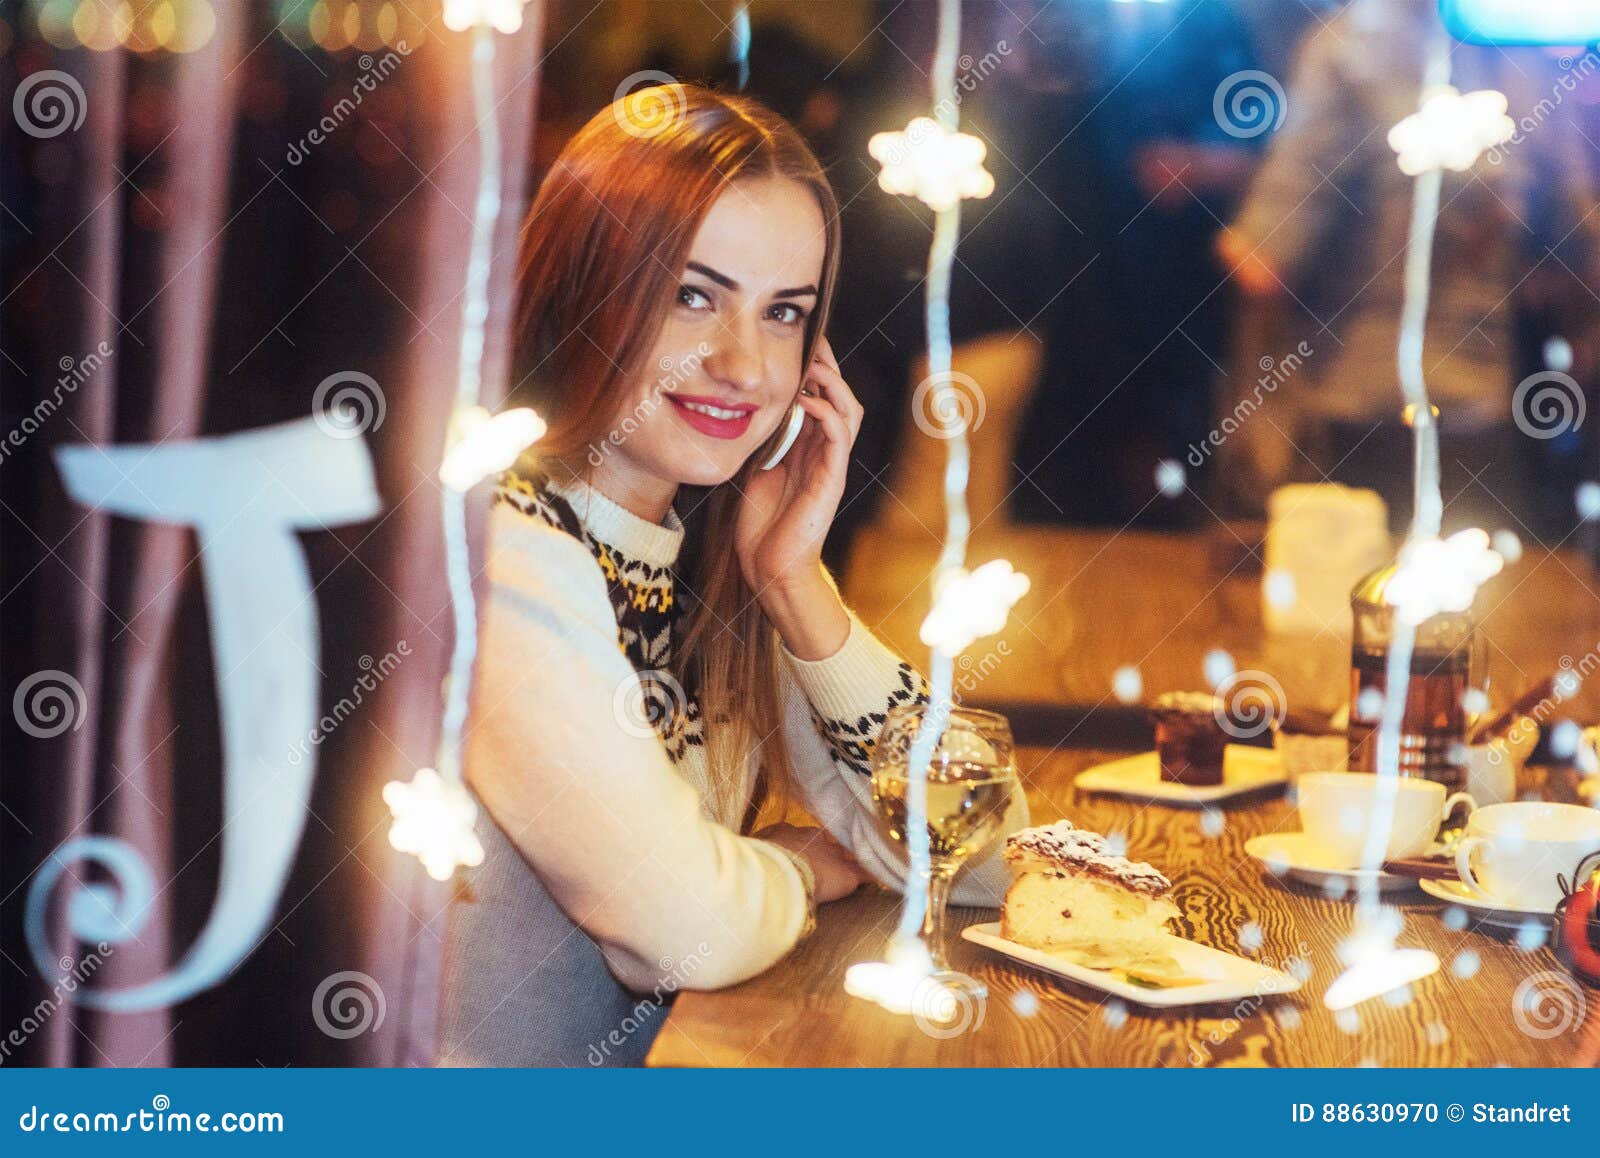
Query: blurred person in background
x,y
1318,253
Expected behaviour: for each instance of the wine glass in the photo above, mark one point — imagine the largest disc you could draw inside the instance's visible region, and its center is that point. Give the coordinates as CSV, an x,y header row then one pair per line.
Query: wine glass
x,y
971,776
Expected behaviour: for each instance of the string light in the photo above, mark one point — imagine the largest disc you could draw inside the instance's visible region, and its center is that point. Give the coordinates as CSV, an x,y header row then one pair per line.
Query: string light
x,y
1451,130
1374,965
484,444
501,15
434,813
1436,576
972,604
896,983
938,166
433,819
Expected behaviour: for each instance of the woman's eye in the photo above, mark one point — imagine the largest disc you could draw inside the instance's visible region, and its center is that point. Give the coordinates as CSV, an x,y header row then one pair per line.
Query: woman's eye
x,y
692,298
787,313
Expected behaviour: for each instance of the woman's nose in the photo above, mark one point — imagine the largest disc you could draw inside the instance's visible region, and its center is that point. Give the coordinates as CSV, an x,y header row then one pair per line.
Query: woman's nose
x,y
736,361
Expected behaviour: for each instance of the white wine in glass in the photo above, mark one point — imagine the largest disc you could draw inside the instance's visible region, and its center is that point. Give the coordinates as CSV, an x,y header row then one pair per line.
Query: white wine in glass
x,y
971,777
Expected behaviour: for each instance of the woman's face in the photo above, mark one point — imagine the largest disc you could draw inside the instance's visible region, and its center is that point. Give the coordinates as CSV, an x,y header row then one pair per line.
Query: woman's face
x,y
727,363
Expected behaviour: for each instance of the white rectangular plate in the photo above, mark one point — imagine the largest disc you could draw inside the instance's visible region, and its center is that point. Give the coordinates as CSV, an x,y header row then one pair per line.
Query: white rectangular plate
x,y
1228,977
1244,770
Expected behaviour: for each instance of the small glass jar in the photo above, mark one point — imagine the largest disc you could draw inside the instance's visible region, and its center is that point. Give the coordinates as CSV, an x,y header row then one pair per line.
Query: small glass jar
x,y
1433,728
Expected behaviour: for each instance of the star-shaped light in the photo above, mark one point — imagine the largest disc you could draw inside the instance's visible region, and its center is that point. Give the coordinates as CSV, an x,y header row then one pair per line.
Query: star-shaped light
x,y
925,161
485,444
433,819
1451,130
972,604
502,15
1441,575
1375,965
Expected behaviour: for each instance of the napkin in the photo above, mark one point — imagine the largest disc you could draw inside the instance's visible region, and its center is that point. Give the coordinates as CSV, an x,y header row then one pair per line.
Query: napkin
x,y
1322,539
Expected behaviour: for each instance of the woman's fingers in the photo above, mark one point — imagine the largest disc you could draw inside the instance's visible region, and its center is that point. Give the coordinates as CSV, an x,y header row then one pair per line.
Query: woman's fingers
x,y
824,353
830,422
833,431
830,384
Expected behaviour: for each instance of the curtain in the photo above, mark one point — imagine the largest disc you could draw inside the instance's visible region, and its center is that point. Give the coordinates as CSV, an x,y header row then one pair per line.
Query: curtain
x,y
193,260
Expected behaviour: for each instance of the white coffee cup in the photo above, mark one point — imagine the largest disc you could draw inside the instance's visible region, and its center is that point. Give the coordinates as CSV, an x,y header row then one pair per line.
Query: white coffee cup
x,y
1513,853
1339,809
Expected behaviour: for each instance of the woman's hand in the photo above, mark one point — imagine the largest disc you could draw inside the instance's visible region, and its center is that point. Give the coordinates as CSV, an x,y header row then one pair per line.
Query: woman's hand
x,y
786,513
837,873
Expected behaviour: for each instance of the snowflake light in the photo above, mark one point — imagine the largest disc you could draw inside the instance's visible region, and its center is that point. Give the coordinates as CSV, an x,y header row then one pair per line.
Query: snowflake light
x,y
892,984
433,820
1442,575
486,444
932,164
1376,966
1451,130
972,604
501,15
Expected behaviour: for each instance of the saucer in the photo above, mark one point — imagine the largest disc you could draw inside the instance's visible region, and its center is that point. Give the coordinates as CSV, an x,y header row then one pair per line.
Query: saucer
x,y
1245,770
1293,855
1492,913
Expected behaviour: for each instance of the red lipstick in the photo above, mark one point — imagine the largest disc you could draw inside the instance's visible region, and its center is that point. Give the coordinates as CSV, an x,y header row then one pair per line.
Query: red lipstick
x,y
730,420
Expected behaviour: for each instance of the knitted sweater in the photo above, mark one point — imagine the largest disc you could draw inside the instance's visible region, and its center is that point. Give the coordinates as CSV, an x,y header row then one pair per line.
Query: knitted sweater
x,y
613,876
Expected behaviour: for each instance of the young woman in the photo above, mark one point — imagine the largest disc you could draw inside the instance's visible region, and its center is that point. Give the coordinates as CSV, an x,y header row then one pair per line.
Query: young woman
x,y
663,649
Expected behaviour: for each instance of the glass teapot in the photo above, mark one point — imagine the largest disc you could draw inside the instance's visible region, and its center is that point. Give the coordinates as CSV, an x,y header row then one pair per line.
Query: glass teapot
x,y
1446,654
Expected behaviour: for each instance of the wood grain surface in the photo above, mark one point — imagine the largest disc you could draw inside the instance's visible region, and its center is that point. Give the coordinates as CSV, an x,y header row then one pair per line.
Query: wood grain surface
x,y
1102,600
1159,602
797,1014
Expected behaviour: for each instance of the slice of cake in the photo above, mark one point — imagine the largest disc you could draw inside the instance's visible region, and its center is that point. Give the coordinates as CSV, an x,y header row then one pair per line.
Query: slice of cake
x,y
1073,897
1190,740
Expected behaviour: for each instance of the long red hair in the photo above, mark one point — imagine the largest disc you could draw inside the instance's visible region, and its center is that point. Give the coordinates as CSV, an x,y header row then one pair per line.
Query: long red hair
x,y
603,250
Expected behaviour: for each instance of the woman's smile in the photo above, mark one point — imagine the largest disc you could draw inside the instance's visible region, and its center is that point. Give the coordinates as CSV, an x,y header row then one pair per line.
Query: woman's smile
x,y
713,416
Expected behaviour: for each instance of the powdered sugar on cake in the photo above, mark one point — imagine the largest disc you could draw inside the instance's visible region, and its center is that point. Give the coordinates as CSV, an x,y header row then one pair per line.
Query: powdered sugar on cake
x,y
1063,847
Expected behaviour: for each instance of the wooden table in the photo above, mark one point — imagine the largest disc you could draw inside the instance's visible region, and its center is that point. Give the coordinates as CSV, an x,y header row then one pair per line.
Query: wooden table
x,y
797,1014
1157,602
1103,600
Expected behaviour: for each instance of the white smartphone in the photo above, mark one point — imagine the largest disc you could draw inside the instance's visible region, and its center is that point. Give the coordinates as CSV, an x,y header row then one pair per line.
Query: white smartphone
x,y
797,419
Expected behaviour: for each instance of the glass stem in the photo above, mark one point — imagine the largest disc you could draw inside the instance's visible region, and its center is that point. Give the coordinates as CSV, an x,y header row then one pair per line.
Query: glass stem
x,y
933,923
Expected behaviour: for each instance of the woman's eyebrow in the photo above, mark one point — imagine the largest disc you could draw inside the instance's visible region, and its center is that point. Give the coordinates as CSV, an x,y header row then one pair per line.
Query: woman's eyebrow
x,y
728,283
721,279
